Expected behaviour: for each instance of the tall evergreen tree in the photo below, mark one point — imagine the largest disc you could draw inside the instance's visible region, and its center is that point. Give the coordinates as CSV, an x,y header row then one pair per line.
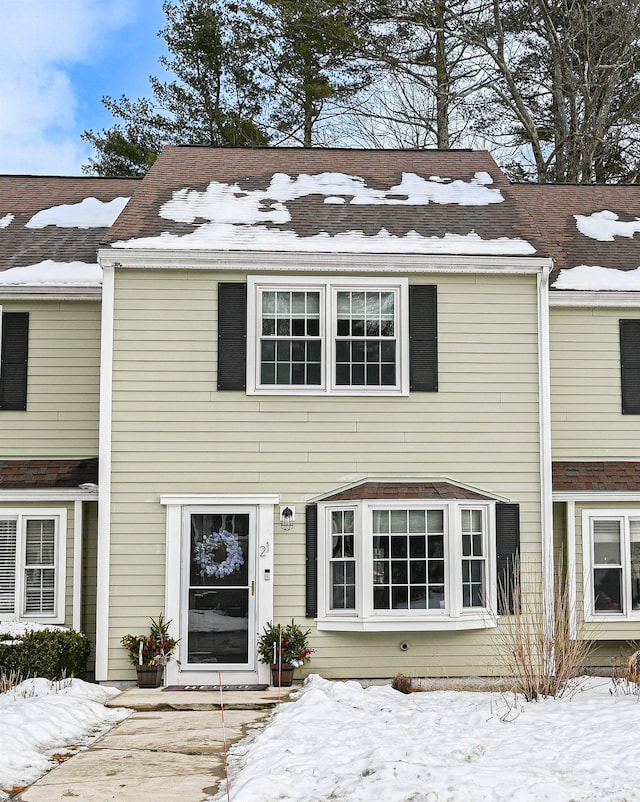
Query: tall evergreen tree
x,y
307,55
215,96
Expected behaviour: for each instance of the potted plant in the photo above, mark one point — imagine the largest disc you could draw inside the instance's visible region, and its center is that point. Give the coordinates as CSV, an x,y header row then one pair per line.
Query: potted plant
x,y
150,653
284,649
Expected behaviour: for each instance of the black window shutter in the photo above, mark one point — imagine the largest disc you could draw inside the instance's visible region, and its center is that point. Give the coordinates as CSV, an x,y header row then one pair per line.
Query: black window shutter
x,y
630,366
507,553
232,336
423,338
13,367
312,559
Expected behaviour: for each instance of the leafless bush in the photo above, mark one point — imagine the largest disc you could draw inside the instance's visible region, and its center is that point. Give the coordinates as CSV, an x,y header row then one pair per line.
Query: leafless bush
x,y
402,683
9,680
626,677
535,644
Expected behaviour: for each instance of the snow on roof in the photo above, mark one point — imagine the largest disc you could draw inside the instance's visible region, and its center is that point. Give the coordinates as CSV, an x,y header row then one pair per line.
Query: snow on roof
x,y
240,219
89,213
53,274
595,278
5,221
605,225
227,236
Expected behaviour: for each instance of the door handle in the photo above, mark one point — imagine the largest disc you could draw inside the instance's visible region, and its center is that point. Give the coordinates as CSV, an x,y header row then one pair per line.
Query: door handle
x,y
253,587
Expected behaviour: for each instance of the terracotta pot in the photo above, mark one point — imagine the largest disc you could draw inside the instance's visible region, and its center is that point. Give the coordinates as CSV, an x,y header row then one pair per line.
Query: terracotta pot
x,y
281,675
149,676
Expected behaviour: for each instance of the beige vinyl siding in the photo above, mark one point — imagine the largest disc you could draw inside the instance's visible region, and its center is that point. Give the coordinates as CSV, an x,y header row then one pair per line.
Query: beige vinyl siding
x,y
174,433
61,419
586,399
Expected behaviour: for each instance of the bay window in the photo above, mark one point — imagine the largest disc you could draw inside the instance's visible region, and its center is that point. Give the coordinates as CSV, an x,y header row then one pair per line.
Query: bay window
x,y
406,565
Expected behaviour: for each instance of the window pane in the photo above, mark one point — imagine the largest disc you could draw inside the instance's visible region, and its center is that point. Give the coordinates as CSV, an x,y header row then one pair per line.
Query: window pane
x,y
39,590
368,318
292,359
435,521
404,561
40,542
606,542
399,521
606,589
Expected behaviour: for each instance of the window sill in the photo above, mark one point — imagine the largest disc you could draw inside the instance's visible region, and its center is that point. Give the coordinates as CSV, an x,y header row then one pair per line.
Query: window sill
x,y
613,618
482,620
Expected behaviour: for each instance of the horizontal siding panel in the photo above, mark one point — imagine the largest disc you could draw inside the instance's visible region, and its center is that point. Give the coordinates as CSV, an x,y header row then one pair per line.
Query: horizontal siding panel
x,y
63,383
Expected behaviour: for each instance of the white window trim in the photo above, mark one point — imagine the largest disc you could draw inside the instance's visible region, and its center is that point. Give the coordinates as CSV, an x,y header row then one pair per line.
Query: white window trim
x,y
365,618
622,515
327,286
60,518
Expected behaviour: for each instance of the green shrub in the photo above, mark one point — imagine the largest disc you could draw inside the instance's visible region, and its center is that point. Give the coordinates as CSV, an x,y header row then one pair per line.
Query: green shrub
x,y
49,653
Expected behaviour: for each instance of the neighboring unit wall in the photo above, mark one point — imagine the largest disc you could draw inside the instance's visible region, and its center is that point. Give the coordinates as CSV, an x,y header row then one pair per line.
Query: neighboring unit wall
x,y
61,419
173,432
586,398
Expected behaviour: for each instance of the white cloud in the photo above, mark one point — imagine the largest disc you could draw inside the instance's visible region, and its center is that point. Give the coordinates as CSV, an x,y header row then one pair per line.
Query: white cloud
x,y
41,42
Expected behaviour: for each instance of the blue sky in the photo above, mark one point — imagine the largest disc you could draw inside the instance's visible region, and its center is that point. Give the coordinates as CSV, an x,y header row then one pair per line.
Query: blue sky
x,y
58,58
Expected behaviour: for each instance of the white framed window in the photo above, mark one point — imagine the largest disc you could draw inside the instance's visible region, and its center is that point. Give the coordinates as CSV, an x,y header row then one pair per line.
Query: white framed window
x,y
328,335
611,548
404,564
32,565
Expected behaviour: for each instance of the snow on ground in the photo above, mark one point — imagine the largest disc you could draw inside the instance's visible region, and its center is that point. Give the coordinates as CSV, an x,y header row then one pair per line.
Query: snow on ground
x,y
341,742
39,719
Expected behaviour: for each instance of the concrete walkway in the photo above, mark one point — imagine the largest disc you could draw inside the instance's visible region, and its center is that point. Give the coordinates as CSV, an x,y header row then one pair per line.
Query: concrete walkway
x,y
171,749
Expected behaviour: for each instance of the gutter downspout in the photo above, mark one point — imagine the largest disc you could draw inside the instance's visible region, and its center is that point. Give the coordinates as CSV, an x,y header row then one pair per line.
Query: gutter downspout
x,y
546,479
104,476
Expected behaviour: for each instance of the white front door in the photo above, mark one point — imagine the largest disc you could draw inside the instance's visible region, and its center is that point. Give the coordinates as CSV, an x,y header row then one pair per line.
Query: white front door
x,y
219,586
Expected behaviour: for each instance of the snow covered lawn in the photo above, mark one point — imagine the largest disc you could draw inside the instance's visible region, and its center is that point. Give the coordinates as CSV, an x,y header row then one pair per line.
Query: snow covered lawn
x,y
39,719
341,742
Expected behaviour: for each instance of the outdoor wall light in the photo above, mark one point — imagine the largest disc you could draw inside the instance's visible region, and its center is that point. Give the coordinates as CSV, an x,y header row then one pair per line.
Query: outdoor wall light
x,y
287,517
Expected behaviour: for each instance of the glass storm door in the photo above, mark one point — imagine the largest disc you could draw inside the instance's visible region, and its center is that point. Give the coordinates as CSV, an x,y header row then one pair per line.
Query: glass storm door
x,y
220,588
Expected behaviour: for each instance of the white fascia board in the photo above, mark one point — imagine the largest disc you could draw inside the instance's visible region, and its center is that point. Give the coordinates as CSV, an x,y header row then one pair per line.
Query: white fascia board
x,y
43,293
53,494
597,496
268,261
584,298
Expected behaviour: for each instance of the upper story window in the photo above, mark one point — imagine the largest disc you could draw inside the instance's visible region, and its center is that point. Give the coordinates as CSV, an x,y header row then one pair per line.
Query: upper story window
x,y
14,348
314,336
406,564
611,543
32,580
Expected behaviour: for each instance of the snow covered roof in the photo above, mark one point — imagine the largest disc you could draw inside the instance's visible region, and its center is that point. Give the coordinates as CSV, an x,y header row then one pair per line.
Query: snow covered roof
x,y
324,201
50,227
592,231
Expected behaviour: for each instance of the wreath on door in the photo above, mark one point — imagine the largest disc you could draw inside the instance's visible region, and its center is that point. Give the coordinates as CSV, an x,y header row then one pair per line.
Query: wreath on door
x,y
205,554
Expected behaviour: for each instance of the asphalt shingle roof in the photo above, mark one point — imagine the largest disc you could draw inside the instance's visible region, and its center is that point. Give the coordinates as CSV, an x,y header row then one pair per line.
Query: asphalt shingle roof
x,y
22,474
553,209
596,476
24,196
252,170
